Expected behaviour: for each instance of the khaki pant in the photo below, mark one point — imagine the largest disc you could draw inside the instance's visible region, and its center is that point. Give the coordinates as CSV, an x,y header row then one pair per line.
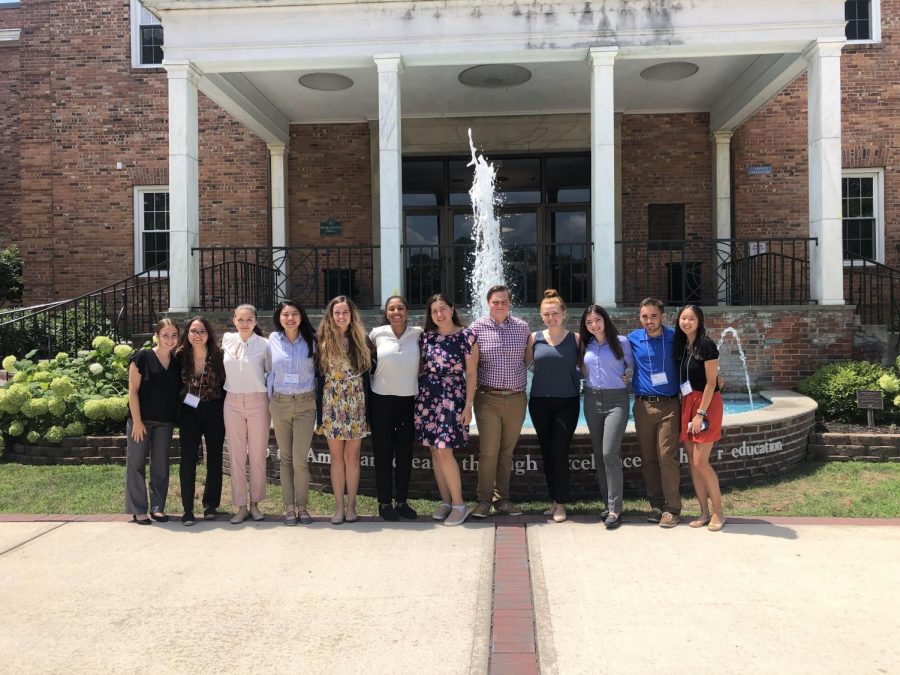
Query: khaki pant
x,y
499,418
656,425
294,418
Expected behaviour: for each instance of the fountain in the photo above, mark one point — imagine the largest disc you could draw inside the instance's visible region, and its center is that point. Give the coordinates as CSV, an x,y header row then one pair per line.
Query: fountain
x,y
733,331
487,267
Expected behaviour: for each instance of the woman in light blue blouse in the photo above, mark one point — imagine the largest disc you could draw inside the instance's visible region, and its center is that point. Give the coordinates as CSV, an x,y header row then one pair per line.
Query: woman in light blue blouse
x,y
292,403
605,357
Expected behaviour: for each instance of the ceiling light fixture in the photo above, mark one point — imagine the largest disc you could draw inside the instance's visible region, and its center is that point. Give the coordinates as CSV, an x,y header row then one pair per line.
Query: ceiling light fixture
x,y
325,81
671,71
495,76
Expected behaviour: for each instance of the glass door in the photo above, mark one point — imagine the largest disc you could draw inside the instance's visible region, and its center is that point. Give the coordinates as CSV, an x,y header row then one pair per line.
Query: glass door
x,y
422,256
569,255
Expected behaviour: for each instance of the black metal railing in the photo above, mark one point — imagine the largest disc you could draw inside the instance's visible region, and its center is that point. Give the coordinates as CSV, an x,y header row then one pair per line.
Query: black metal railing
x,y
264,275
770,271
123,310
528,268
873,288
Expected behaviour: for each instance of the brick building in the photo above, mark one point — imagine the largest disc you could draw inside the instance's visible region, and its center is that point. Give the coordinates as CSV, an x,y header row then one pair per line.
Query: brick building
x,y
288,146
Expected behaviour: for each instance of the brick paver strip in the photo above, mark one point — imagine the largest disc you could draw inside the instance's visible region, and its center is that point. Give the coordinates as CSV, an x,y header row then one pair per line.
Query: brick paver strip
x,y
513,646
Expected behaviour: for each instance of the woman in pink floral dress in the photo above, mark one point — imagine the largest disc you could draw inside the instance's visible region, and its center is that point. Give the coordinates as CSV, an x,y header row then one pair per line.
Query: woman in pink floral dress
x,y
443,409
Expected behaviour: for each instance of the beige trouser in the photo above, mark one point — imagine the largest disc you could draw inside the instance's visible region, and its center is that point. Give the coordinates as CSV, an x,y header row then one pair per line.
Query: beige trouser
x,y
499,418
247,435
656,425
294,418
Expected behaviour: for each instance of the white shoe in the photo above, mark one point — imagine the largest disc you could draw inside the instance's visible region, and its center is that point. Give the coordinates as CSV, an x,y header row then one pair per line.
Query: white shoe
x,y
457,516
442,512
240,516
255,513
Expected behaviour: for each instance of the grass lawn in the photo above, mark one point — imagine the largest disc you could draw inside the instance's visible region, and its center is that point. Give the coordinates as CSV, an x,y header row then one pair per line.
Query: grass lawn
x,y
849,489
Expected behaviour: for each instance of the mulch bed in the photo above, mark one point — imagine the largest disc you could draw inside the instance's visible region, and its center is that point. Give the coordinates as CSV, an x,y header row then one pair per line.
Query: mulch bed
x,y
823,426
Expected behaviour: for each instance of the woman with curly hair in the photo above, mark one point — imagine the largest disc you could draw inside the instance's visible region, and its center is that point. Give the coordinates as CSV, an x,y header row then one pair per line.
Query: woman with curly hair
x,y
201,415
344,359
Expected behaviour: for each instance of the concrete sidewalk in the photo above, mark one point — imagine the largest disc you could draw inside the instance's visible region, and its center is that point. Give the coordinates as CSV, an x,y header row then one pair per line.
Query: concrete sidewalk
x,y
417,598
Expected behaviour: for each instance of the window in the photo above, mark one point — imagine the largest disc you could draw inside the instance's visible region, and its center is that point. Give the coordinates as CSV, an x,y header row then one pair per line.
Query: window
x,y
146,38
863,20
151,228
665,223
862,200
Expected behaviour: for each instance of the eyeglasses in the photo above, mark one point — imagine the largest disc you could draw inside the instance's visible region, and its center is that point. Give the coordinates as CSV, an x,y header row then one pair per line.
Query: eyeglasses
x,y
194,331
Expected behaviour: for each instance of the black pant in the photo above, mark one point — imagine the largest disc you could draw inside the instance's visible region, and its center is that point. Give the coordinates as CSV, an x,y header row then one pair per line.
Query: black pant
x,y
392,439
205,421
554,421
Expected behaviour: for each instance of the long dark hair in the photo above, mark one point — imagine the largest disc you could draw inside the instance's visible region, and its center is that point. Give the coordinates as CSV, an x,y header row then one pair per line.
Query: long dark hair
x,y
609,329
307,332
430,326
384,317
681,338
214,355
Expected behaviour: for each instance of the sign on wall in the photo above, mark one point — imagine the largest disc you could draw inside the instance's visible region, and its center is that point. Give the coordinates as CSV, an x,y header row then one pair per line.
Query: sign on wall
x,y
330,227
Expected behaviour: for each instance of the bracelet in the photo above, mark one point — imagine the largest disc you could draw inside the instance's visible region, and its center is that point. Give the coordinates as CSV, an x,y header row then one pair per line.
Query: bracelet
x,y
702,413
468,403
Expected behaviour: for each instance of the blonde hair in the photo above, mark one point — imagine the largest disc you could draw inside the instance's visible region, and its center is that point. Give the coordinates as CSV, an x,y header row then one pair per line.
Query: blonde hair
x,y
552,295
330,346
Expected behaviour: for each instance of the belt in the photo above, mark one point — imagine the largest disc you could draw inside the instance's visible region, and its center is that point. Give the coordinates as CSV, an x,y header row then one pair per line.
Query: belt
x,y
654,399
302,394
499,392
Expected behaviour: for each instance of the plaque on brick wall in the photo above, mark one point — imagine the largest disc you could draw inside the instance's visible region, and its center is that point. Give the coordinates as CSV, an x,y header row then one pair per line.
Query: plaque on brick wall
x,y
330,227
759,170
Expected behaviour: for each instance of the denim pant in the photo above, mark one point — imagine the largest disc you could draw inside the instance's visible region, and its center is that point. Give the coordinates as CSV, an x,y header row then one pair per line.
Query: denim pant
x,y
606,412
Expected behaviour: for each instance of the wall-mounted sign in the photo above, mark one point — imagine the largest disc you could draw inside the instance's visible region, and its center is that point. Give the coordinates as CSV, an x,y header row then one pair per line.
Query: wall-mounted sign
x,y
330,227
759,170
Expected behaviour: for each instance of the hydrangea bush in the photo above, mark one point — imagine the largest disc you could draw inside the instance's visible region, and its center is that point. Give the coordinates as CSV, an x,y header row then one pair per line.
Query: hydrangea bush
x,y
65,396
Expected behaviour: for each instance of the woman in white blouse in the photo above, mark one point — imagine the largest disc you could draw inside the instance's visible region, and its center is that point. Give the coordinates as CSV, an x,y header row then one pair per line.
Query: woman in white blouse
x,y
247,418
394,388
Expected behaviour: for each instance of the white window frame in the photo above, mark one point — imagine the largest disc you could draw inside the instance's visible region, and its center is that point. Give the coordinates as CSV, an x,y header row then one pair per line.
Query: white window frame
x,y
139,192
136,12
875,24
877,174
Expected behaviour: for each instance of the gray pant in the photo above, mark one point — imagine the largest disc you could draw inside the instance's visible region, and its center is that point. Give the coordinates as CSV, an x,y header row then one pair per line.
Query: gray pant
x,y
606,412
156,443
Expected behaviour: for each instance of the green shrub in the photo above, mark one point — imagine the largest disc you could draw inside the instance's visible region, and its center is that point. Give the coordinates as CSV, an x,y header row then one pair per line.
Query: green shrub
x,y
834,388
10,276
50,400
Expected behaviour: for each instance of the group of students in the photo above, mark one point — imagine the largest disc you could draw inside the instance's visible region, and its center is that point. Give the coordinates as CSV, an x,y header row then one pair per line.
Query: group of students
x,y
402,384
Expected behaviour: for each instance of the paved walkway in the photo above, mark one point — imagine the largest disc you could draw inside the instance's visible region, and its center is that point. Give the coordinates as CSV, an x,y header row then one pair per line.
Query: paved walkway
x,y
498,597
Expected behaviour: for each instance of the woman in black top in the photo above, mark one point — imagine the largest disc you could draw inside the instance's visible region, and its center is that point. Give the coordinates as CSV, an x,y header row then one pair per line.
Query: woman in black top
x,y
154,380
701,410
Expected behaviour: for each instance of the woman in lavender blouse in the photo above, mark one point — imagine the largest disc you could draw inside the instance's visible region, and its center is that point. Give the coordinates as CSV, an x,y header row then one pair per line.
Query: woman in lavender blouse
x,y
605,355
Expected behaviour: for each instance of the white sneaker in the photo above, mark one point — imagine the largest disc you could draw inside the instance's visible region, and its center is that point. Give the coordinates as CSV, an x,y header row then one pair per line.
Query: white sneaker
x,y
457,516
442,512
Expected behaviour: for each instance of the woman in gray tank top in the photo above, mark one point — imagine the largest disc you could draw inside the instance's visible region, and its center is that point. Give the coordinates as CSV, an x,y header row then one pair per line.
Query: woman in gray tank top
x,y
555,397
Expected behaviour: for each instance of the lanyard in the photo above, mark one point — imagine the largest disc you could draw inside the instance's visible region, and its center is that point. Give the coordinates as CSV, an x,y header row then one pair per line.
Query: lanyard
x,y
650,360
202,377
687,367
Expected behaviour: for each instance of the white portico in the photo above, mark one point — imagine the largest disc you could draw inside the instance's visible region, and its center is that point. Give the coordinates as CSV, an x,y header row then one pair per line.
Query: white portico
x,y
404,61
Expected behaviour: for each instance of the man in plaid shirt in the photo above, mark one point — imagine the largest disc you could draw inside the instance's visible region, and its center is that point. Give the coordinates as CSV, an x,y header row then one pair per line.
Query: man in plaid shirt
x,y
499,401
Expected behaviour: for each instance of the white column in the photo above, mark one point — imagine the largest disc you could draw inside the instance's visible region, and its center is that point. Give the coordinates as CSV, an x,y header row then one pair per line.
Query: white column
x,y
722,209
824,151
618,183
184,186
389,173
603,175
278,176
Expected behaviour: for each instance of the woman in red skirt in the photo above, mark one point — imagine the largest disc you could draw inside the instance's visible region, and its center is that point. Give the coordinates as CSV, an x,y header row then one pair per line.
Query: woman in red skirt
x,y
701,411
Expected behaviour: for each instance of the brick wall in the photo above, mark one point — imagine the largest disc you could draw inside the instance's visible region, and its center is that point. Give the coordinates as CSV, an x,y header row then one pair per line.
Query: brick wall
x,y
83,109
329,173
9,131
777,205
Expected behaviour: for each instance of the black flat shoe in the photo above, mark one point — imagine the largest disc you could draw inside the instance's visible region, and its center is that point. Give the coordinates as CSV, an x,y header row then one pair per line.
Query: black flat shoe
x,y
404,510
612,522
187,519
386,512
141,521
209,513
160,519
604,514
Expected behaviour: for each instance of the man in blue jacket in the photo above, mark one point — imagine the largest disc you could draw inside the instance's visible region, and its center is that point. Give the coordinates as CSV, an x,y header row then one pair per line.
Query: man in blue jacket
x,y
657,412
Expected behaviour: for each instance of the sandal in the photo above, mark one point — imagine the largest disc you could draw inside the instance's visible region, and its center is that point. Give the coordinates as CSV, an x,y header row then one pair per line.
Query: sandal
x,y
304,517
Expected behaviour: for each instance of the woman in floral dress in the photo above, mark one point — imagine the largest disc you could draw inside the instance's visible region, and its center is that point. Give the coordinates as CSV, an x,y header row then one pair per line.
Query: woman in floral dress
x,y
443,410
344,361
